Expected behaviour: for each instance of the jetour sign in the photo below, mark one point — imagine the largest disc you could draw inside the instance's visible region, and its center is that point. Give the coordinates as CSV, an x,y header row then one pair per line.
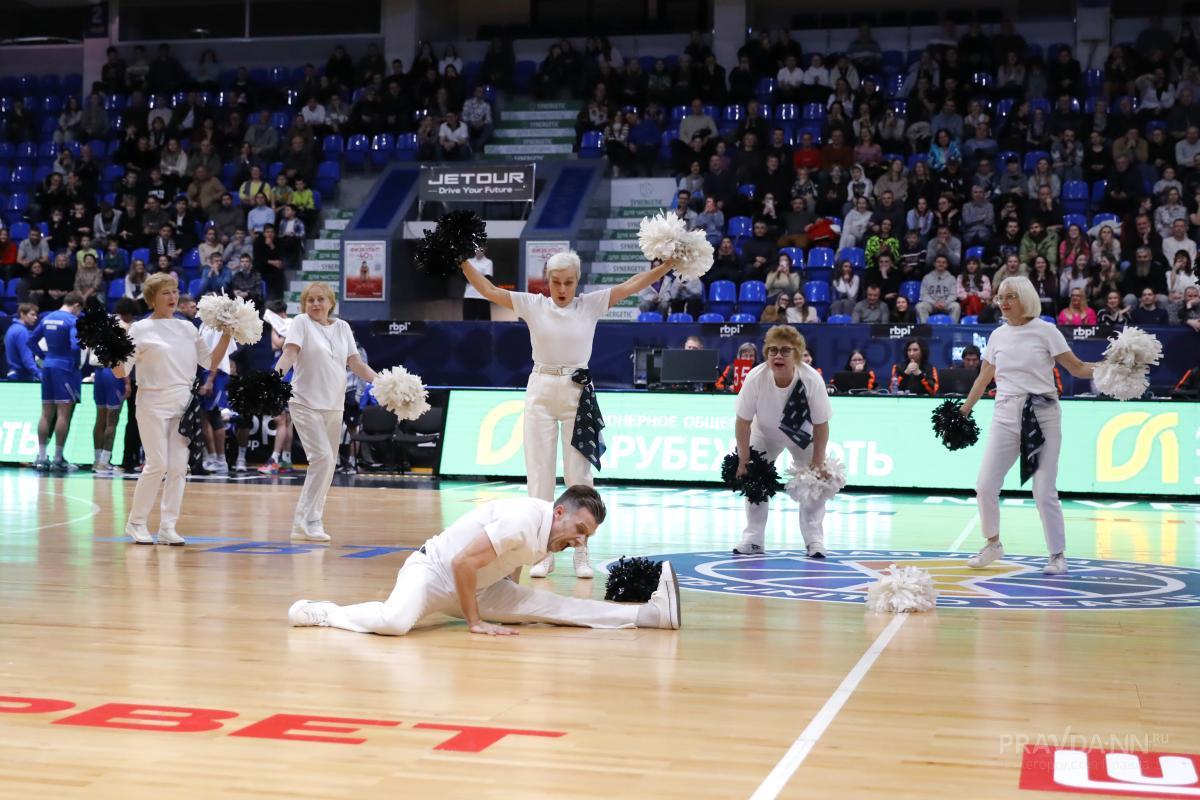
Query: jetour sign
x,y
507,183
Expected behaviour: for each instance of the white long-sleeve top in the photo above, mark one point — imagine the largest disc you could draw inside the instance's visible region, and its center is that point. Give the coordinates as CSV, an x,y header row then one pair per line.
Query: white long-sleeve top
x,y
167,353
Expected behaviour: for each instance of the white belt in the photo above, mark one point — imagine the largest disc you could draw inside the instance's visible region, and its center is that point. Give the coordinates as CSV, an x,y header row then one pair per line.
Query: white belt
x,y
545,370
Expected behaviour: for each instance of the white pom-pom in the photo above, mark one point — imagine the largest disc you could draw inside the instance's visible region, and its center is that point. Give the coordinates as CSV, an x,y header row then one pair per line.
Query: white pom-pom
x,y
659,236
809,485
695,255
1127,360
401,392
233,315
1133,347
902,589
1120,382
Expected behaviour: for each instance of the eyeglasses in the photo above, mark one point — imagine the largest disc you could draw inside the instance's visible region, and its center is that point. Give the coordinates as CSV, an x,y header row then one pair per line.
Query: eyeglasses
x,y
1011,297
780,351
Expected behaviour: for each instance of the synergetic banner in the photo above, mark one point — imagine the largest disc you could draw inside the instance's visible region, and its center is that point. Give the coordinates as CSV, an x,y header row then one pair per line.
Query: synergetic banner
x,y
20,409
477,182
1140,448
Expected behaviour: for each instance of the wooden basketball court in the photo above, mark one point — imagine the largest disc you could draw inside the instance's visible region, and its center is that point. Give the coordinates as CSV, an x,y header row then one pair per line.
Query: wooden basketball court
x,y
154,672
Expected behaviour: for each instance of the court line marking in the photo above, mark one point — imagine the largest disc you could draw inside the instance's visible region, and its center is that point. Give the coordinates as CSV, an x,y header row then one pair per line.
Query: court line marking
x,y
962,537
95,510
778,778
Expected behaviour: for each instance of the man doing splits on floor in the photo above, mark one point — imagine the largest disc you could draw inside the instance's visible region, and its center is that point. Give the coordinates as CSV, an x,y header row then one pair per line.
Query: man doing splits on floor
x,y
561,329
318,349
168,350
470,571
1026,420
783,404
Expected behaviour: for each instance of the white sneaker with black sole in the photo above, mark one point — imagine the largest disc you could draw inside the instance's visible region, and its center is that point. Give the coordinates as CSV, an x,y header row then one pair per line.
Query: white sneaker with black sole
x,y
992,551
1057,565
309,532
168,536
748,549
543,567
816,549
140,534
666,599
307,613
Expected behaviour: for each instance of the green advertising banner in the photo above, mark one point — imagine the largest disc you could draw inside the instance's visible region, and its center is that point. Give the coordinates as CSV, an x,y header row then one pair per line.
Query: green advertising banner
x,y
1135,448
20,408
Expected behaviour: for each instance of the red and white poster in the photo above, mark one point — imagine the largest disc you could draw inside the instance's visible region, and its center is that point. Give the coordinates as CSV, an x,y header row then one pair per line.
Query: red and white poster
x,y
536,255
364,266
1110,772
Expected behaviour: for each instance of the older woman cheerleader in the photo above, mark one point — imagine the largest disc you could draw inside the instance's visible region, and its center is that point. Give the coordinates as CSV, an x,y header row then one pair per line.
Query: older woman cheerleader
x,y
318,349
561,329
168,350
783,404
1026,420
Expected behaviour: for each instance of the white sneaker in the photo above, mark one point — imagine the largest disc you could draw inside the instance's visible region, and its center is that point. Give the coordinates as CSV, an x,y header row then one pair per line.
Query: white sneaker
x,y
304,613
990,552
816,550
309,532
666,598
218,467
1057,565
168,536
241,465
100,469
140,534
748,548
543,567
583,567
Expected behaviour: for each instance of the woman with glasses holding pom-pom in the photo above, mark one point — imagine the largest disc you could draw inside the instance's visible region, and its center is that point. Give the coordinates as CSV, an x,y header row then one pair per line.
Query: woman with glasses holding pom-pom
x,y
1026,420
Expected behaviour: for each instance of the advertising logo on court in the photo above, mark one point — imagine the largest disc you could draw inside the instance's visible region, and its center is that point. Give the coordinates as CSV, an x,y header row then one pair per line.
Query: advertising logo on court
x,y
1109,772
1144,431
1015,582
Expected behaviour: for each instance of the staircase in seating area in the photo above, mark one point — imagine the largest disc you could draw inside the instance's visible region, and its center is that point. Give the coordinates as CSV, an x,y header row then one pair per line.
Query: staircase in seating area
x,y
608,245
322,257
533,131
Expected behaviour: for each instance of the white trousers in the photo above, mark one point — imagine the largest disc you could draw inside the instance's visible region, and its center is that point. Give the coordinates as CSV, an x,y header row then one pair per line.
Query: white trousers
x,y
812,516
1002,449
158,415
423,596
320,432
550,405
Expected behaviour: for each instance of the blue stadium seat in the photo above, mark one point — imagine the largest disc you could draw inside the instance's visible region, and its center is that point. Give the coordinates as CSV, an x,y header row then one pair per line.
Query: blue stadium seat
x,y
733,112
746,190
329,173
974,252
941,319
331,146
787,111
1032,157
744,319
1046,317
650,316
1098,190
18,231
855,255
681,317
1105,216
710,317
193,287
143,253
191,259
970,319
840,319
10,295
813,112
819,274
381,149
796,254
820,257
765,90
740,227
752,298
406,147
592,145
722,295
1075,197
817,292
356,151
273,170
1074,219
911,290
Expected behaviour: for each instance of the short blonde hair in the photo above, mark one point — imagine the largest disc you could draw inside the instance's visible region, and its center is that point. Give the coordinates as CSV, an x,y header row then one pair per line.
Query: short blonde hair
x,y
785,335
155,284
318,287
566,261
1031,304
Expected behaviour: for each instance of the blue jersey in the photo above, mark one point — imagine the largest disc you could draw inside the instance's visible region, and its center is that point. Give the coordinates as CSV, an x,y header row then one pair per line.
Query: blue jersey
x,y
21,366
62,345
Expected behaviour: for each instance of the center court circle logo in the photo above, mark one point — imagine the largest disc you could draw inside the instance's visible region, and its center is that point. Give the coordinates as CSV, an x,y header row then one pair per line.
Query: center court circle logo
x,y
1014,582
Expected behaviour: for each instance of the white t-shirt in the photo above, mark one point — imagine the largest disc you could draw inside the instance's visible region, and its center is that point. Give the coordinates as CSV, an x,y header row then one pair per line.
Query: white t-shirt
x,y
319,376
561,337
484,265
167,353
1024,357
519,530
761,401
211,336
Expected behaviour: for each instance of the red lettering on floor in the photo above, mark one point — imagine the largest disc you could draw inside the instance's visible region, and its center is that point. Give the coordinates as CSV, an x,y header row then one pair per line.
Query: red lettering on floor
x,y
474,739
172,719
286,726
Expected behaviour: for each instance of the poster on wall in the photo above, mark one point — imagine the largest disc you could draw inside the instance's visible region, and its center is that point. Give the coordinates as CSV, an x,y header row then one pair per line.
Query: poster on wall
x,y
536,255
364,266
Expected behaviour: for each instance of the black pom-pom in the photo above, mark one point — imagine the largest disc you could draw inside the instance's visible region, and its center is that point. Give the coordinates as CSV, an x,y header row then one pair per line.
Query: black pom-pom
x,y
259,394
102,334
632,580
955,430
761,481
453,241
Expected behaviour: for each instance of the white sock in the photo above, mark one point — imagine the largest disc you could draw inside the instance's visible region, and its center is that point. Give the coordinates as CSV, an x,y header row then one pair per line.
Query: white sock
x,y
648,616
287,458
105,456
241,454
58,453
41,452
353,461
96,456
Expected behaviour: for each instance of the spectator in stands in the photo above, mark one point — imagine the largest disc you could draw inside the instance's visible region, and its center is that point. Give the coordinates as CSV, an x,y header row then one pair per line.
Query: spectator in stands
x,y
711,220
886,276
758,253
1045,282
800,312
726,266
776,312
261,215
815,83
281,192
1189,311
844,290
1143,235
783,279
1039,242
915,375
836,153
216,277
135,278
1073,245
1147,310
477,114
1178,242
1043,176
719,183
1077,311
1167,213
454,139
33,249
427,139
978,219
88,278
856,224
226,218
1076,276
1145,273
205,193
881,242
268,262
871,309
911,261
204,156
944,244
939,292
246,281
262,137
974,290
1181,276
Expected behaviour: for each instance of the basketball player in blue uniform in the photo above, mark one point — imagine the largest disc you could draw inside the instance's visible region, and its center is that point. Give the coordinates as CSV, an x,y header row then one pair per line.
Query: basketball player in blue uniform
x,y
61,378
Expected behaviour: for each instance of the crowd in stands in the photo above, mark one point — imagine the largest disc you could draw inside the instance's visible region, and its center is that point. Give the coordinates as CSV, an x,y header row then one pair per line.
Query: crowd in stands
x,y
876,185
214,175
